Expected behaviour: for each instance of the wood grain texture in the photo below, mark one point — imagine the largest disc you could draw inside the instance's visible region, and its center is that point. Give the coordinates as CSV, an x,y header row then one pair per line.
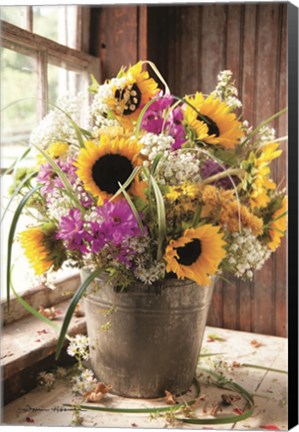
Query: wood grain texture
x,y
190,44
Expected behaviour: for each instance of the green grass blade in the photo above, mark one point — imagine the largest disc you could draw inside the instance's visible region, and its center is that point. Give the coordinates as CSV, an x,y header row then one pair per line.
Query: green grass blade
x,y
126,183
16,193
10,169
142,112
155,163
161,215
73,123
264,368
71,308
264,123
134,210
33,311
11,238
142,410
229,385
63,178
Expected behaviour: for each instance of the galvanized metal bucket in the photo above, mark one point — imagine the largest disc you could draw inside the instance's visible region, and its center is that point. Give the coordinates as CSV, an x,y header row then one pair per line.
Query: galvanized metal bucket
x,y
146,340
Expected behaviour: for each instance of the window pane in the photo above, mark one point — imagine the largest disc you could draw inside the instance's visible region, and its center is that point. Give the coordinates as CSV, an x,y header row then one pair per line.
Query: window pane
x,y
57,23
15,15
18,88
63,81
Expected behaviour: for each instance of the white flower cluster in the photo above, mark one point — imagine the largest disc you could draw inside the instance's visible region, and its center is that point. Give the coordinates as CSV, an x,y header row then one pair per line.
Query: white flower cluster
x,y
155,144
59,205
148,270
265,135
79,347
100,107
84,383
55,126
226,91
246,254
177,167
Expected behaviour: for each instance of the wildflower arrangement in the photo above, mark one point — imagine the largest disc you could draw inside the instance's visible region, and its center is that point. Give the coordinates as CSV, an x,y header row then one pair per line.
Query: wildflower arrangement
x,y
155,186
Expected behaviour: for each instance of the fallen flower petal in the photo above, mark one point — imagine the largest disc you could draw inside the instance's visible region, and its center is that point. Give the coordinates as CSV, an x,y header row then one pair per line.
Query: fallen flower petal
x,y
99,392
170,399
49,313
269,427
256,343
238,411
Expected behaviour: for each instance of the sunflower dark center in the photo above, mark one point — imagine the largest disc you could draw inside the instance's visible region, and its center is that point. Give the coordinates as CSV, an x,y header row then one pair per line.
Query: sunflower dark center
x,y
189,253
132,97
109,170
212,126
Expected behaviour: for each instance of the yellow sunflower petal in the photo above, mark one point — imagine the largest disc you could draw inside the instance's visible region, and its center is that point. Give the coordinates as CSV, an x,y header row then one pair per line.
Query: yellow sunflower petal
x,y
209,248
102,166
212,121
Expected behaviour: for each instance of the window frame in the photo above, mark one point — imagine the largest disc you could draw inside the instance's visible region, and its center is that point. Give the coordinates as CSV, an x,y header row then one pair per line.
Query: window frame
x,y
46,51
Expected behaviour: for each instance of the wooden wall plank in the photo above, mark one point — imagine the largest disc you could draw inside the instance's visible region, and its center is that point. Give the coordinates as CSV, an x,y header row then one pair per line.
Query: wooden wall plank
x,y
233,38
280,276
115,37
265,105
213,44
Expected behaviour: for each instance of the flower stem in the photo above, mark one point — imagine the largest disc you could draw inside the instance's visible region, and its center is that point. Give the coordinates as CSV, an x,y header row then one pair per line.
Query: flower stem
x,y
232,171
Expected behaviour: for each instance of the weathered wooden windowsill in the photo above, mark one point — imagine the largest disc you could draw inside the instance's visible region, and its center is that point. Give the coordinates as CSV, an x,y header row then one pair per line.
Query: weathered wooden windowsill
x,y
28,344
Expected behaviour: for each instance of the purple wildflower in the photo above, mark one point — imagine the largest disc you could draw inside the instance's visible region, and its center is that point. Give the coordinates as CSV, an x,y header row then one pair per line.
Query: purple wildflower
x,y
115,228
154,121
50,179
210,168
72,231
52,182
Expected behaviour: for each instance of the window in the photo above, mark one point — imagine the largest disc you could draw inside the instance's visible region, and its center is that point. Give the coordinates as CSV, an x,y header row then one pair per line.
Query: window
x,y
43,56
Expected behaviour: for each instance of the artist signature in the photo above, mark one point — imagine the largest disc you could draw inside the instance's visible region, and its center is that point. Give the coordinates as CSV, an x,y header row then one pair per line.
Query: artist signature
x,y
29,408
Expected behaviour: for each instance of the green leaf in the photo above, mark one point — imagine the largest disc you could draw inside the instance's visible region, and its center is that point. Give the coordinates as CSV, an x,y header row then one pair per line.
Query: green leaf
x,y
264,368
73,123
133,208
94,86
126,183
228,157
161,215
11,238
71,308
196,216
142,112
264,123
15,163
17,190
224,383
86,133
142,410
155,162
33,311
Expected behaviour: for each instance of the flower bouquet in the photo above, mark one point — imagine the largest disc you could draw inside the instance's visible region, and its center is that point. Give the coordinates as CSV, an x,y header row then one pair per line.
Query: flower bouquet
x,y
154,188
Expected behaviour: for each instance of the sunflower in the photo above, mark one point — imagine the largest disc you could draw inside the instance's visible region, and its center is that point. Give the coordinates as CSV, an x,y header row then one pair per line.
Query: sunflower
x,y
212,121
34,242
131,91
102,166
278,225
197,254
